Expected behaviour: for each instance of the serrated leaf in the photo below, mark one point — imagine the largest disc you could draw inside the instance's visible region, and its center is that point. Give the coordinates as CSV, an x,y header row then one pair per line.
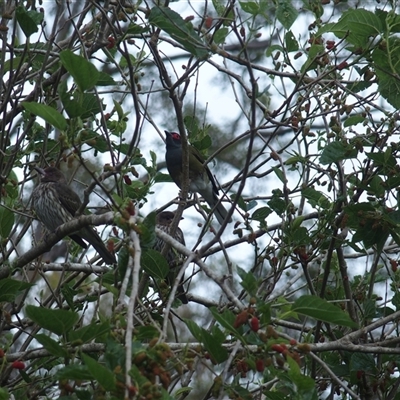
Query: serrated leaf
x,y
52,346
363,362
249,281
261,214
102,375
7,219
354,120
286,13
291,42
58,321
315,198
337,151
194,329
250,7
105,80
303,383
11,288
357,26
85,74
320,309
220,35
76,372
214,347
89,332
154,264
28,20
181,31
49,114
226,318
279,173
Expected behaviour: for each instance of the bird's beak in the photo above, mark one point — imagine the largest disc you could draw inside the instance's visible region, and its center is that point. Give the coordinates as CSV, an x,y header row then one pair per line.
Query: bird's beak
x,y
40,171
167,133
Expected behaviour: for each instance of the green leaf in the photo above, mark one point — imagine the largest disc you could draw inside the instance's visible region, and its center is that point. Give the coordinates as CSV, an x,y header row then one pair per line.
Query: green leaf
x,y
354,120
321,310
277,203
160,177
303,383
376,186
194,329
90,105
85,74
172,23
52,346
279,173
315,198
261,214
286,13
102,375
57,321
386,59
219,7
7,219
49,114
363,362
221,35
10,289
250,7
214,347
337,151
28,20
77,372
154,264
226,319
357,26
249,281
146,333
105,80
291,42
94,140
89,332
4,394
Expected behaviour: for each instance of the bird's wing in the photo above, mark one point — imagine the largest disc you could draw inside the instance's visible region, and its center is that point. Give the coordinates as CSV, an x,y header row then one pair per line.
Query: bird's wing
x,y
199,157
68,198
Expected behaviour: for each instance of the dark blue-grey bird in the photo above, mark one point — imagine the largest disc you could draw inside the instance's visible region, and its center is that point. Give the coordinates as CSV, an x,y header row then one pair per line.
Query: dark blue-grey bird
x,y
200,177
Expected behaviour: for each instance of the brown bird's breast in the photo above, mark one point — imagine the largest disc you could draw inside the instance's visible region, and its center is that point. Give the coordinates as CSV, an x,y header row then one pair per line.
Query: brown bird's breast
x,y
48,207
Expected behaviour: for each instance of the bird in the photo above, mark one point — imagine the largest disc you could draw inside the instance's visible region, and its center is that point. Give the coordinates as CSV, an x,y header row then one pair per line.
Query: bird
x,y
200,177
55,203
173,258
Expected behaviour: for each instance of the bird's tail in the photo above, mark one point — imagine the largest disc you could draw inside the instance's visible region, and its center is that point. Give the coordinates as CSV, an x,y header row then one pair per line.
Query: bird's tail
x,y
219,210
95,240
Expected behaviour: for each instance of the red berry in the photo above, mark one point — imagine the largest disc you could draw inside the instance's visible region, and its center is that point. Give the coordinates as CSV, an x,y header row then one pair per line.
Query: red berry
x,y
18,365
260,365
278,348
255,324
293,342
127,180
240,319
342,65
111,42
208,22
330,44
1,353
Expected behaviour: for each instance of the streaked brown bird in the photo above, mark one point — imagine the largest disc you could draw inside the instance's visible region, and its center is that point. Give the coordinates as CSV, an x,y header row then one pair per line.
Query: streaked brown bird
x,y
163,222
55,203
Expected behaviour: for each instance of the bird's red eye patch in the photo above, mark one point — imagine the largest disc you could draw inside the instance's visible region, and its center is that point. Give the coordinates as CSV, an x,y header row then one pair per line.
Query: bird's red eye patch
x,y
176,136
